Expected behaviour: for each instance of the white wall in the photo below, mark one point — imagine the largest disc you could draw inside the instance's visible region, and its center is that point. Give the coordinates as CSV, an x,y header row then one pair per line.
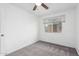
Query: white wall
x,y
77,27
20,28
67,36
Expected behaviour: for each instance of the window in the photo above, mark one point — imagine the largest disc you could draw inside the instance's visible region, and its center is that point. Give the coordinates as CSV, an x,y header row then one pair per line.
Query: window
x,y
53,27
54,24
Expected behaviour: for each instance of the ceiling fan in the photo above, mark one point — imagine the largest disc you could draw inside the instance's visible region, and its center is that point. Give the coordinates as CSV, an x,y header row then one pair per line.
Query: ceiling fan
x,y
40,4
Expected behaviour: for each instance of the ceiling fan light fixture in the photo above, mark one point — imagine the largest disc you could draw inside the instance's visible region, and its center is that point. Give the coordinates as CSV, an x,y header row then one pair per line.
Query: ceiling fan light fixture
x,y
39,4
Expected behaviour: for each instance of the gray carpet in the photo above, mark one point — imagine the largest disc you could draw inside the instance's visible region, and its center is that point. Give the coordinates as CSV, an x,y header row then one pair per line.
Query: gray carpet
x,y
41,48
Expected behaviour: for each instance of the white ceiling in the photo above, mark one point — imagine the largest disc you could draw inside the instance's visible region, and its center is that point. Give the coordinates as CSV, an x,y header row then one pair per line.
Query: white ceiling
x,y
53,8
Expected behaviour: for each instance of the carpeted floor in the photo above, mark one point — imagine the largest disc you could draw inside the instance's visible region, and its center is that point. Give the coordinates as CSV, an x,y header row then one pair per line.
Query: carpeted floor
x,y
41,48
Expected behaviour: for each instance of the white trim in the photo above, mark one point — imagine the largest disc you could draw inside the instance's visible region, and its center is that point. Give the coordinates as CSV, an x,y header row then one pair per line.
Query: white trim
x,y
77,50
8,52
2,54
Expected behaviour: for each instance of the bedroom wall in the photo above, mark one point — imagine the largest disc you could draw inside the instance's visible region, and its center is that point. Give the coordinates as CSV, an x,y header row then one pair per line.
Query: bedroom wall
x,y
19,27
77,29
67,36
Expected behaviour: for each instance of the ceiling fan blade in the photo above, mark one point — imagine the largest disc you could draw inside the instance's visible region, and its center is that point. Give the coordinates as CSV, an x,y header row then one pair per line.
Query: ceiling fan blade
x,y
35,7
44,6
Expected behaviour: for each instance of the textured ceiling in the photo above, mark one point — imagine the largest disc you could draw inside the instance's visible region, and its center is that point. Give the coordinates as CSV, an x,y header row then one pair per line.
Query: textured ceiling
x,y
53,8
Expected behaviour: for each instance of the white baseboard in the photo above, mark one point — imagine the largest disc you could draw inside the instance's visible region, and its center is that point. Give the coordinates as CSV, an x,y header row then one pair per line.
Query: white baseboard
x,y
77,50
57,43
2,54
22,46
